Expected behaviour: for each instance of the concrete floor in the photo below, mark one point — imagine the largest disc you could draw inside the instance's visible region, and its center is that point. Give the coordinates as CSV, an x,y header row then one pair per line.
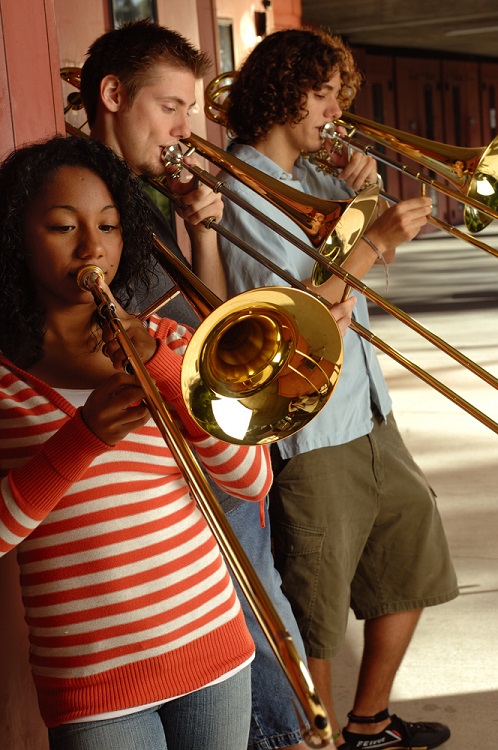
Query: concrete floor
x,y
450,672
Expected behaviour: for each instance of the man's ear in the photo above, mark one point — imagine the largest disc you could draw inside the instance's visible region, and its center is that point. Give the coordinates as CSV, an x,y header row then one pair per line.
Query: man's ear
x,y
112,93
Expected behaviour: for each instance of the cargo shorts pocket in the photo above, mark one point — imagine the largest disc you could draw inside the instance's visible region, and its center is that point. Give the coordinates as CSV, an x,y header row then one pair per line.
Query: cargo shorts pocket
x,y
298,552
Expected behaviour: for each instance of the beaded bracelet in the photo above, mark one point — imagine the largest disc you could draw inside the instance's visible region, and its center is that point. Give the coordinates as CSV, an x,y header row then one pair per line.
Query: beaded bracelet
x,y
379,256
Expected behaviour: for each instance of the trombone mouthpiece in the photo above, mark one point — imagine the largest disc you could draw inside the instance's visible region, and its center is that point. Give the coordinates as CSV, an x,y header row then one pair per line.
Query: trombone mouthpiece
x,y
328,130
172,154
172,157
88,275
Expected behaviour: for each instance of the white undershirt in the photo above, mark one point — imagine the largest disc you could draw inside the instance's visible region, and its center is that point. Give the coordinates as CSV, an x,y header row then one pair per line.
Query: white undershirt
x,y
76,396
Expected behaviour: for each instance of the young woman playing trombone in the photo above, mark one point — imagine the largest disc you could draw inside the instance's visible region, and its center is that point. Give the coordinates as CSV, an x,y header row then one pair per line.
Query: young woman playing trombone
x,y
137,637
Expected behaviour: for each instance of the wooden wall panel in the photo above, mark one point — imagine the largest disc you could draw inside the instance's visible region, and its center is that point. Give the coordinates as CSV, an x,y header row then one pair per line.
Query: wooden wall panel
x,y
376,101
30,109
460,92
6,124
287,14
488,100
420,112
30,58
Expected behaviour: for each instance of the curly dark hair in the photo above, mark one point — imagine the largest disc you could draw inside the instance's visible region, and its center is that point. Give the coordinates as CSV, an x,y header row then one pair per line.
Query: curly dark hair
x,y
272,84
129,52
22,175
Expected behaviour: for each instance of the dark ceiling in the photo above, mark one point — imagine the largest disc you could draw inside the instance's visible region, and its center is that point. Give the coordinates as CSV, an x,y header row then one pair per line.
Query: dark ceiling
x,y
453,27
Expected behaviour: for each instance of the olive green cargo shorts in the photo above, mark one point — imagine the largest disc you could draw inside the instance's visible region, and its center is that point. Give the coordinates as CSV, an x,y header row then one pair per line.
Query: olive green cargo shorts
x,y
357,525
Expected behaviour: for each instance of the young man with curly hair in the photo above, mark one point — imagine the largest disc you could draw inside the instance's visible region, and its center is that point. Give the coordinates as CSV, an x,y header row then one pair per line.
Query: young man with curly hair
x,y
354,522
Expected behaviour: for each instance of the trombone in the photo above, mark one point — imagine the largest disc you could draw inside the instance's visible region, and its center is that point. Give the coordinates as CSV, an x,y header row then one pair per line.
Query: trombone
x,y
281,303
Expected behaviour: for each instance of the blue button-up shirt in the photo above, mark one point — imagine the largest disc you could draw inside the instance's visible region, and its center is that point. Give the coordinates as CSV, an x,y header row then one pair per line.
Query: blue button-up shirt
x,y
348,413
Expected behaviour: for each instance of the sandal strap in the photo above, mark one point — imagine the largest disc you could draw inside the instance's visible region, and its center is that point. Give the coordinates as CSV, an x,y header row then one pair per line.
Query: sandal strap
x,y
380,716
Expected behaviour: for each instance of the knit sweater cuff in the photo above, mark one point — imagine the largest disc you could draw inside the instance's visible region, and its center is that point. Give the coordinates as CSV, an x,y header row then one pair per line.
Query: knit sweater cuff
x,y
46,477
165,368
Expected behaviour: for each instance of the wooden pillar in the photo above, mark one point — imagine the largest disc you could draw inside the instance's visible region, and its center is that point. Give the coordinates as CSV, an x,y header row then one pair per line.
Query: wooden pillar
x,y
30,90
30,109
208,42
21,727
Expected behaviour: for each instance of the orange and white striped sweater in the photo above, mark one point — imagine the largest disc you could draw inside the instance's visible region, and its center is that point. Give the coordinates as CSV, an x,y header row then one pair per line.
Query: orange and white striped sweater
x,y
127,598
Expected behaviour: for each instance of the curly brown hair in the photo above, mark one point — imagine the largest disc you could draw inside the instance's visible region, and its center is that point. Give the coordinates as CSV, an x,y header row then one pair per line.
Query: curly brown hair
x,y
272,85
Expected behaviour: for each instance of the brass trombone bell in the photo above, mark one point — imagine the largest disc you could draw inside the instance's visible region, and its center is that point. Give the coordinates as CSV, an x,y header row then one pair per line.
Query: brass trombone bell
x,y
354,221
262,365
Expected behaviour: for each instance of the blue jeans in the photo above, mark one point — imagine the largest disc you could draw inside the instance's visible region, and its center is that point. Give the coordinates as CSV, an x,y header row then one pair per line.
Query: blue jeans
x,y
274,723
214,717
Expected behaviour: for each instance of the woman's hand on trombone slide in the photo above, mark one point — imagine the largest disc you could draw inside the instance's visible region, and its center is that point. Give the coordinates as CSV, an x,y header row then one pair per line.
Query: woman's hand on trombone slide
x,y
139,336
115,408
